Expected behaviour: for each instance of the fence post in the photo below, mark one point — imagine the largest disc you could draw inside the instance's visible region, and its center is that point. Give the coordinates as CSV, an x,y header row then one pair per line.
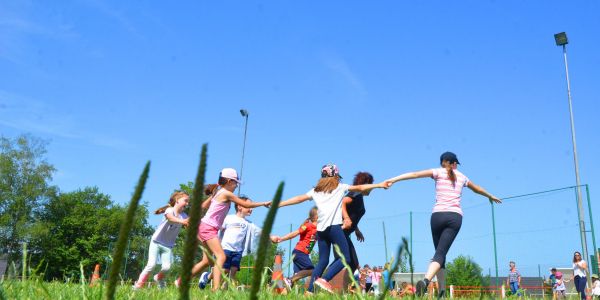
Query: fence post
x,y
451,291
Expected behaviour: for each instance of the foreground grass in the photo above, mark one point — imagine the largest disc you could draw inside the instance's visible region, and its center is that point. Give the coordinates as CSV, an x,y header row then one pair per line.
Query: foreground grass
x,y
34,289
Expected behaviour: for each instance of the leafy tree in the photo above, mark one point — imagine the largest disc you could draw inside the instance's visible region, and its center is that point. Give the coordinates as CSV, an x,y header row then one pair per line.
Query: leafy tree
x,y
24,187
82,227
464,271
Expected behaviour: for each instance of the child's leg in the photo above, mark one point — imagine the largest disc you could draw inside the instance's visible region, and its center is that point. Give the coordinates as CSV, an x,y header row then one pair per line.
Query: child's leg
x,y
337,238
166,257
324,250
152,255
205,262
214,245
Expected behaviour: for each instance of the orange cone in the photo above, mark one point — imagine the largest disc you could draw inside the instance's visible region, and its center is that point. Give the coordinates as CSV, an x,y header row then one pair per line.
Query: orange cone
x,y
277,276
96,275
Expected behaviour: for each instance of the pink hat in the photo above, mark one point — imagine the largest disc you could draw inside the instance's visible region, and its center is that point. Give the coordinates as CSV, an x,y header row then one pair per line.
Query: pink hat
x,y
558,275
330,170
230,173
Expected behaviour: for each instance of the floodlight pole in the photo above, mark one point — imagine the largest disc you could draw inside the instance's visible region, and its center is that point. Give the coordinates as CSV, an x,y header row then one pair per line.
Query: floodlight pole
x,y
244,114
563,42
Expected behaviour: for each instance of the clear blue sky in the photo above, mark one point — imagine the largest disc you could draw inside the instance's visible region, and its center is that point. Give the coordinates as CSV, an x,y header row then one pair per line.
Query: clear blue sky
x,y
383,87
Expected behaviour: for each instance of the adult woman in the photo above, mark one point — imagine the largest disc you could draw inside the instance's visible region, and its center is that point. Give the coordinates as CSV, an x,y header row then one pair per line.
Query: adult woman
x,y
446,218
579,273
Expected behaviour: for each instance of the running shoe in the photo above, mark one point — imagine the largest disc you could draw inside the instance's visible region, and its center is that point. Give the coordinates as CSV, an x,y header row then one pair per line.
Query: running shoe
x,y
322,283
177,282
422,287
203,280
288,283
160,283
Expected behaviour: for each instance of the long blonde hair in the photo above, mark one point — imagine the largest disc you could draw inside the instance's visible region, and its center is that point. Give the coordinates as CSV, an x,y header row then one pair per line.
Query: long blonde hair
x,y
172,201
327,184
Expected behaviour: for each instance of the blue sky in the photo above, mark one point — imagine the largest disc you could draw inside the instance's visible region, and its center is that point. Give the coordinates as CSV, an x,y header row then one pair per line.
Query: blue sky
x,y
383,87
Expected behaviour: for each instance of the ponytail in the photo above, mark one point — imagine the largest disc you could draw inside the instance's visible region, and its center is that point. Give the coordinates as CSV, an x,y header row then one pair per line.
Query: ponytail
x,y
451,174
172,200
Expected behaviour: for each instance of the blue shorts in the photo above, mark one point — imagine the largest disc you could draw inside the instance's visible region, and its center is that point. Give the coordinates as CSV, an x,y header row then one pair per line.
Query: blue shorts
x,y
301,261
232,259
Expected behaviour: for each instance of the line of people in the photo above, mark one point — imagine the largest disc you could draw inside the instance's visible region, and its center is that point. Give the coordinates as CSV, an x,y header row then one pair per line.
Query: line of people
x,y
339,209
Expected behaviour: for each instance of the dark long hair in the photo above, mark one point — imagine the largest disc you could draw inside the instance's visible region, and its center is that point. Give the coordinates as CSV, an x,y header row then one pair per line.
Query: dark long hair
x,y
448,166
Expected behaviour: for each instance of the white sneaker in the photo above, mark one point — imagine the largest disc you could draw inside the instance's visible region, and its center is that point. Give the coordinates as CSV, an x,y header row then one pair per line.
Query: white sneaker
x,y
288,283
203,280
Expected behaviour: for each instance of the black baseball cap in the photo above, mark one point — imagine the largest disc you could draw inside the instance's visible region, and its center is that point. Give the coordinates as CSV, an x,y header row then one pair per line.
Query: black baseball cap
x,y
449,157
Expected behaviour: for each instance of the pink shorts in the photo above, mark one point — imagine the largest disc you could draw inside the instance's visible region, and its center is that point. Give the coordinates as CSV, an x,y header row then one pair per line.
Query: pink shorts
x,y
207,232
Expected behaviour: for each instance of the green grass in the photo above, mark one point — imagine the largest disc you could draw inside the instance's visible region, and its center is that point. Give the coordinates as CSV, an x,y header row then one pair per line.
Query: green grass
x,y
37,289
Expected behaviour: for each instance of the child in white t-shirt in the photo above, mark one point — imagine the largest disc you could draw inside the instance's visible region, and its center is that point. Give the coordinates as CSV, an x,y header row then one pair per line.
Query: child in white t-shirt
x,y
239,237
560,289
163,239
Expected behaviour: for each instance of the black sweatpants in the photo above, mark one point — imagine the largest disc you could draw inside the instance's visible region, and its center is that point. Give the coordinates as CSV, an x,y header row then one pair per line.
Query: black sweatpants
x,y
444,228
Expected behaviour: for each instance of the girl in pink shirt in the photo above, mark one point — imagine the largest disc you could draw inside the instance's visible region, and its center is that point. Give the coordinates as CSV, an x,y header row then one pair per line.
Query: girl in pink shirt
x,y
446,218
208,230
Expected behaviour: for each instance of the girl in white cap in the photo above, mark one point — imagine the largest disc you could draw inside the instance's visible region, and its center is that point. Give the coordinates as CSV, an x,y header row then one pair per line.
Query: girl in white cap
x,y
328,196
446,218
208,230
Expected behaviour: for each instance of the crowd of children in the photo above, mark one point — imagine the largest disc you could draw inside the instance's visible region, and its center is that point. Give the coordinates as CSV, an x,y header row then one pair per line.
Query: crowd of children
x,y
338,209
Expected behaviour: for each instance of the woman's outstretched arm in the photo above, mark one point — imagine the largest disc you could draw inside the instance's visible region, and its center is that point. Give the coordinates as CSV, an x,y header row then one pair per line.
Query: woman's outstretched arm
x,y
481,191
412,175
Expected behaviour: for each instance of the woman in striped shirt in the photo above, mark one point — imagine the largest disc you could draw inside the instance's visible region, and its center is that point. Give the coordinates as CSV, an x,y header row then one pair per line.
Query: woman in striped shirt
x,y
446,218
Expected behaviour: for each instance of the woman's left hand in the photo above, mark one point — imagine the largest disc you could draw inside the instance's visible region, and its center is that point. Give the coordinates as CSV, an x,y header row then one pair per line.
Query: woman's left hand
x,y
494,199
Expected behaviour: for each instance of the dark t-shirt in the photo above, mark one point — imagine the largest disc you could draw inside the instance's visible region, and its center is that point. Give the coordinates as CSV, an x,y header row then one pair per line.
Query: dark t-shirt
x,y
356,209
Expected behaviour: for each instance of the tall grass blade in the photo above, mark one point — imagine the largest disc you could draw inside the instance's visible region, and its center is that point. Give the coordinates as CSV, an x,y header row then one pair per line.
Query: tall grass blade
x,y
337,250
401,249
124,234
24,262
191,241
265,243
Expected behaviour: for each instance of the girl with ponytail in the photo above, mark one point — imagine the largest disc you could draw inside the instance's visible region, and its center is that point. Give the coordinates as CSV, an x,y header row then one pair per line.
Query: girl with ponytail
x,y
446,218
163,239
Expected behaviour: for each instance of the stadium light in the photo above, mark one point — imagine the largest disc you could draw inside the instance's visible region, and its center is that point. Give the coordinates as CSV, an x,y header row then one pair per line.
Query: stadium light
x,y
561,40
244,114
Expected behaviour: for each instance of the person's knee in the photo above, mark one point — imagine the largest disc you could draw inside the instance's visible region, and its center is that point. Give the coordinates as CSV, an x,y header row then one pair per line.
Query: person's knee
x,y
165,267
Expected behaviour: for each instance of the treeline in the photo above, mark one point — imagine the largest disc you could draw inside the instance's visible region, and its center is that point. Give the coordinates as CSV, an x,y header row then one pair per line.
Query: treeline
x,y
61,229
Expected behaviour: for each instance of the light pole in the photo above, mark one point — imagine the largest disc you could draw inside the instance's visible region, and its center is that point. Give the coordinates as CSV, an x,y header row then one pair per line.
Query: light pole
x,y
561,40
244,114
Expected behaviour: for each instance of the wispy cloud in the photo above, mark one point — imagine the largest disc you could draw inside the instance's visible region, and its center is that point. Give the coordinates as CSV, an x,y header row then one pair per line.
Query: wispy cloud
x,y
29,115
341,67
104,8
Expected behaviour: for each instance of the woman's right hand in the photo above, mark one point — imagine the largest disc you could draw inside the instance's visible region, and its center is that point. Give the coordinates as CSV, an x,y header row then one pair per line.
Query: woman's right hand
x,y
347,223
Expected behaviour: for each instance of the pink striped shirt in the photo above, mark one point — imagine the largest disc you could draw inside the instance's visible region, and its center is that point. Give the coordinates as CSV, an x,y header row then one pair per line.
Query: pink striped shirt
x,y
215,215
447,196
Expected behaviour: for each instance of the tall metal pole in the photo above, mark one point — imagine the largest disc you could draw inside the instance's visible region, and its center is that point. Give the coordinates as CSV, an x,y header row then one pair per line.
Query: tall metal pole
x,y
575,160
245,115
385,242
495,247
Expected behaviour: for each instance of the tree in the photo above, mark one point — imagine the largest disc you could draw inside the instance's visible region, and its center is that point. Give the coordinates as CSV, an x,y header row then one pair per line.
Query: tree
x,y
80,227
24,187
464,271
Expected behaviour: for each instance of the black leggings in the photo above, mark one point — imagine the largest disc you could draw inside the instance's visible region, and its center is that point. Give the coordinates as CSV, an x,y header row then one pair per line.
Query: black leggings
x,y
444,228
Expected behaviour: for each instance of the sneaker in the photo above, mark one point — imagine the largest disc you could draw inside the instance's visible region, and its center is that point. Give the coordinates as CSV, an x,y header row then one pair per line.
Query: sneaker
x,y
160,283
177,282
288,283
203,280
422,287
136,286
322,283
